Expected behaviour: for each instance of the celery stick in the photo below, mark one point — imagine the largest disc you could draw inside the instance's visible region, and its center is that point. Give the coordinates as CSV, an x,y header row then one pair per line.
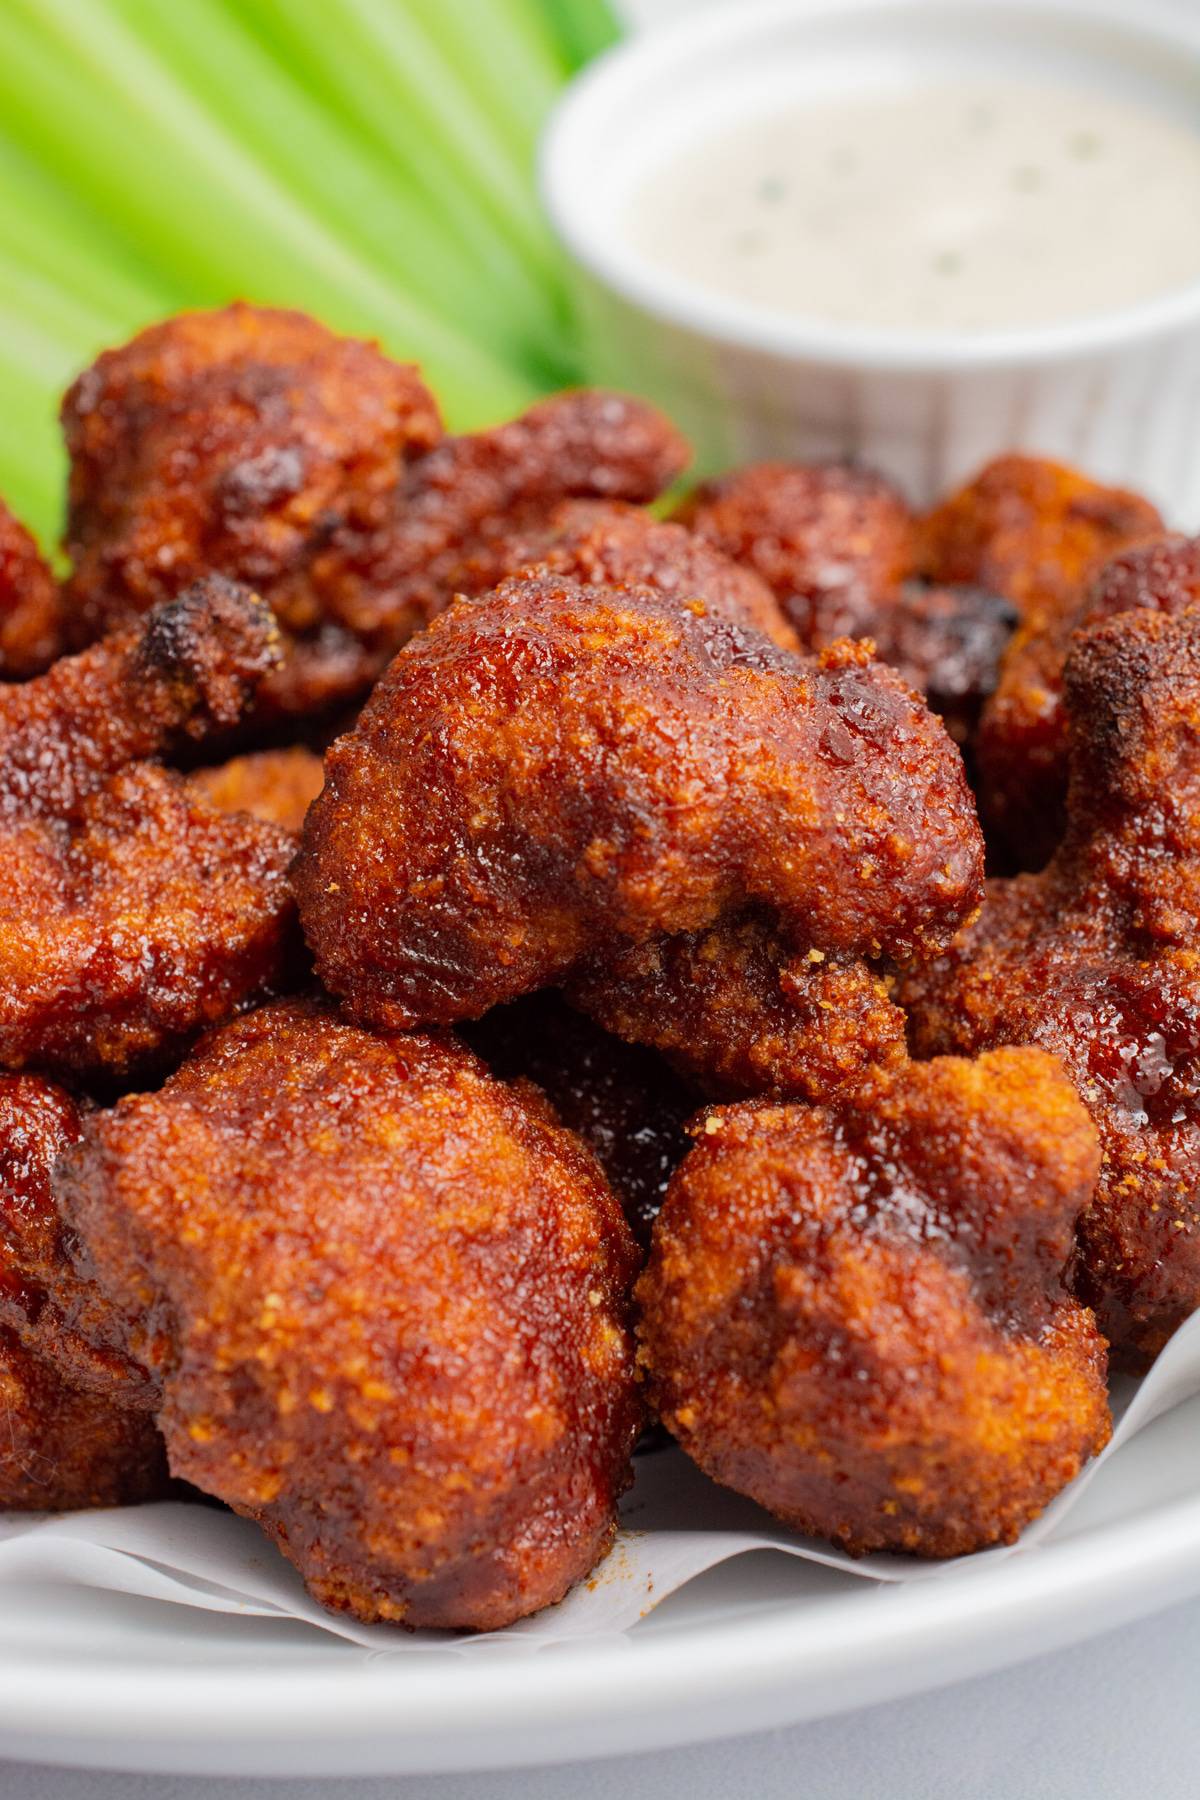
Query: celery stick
x,y
473,275
389,79
432,78
370,160
201,208
59,315
33,489
384,99
35,368
375,91
44,231
583,28
511,73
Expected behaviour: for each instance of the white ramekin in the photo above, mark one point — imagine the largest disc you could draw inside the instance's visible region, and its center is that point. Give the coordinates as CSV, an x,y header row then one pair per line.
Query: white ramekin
x,y
1116,393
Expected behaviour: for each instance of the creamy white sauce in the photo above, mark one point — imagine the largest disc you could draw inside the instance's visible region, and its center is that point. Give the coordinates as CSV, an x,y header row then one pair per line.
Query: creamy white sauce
x,y
982,205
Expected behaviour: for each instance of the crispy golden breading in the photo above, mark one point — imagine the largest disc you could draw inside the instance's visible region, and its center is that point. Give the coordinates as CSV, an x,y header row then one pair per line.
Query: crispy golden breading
x,y
152,918
385,1297
60,1448
37,1121
836,546
261,445
276,785
1029,758
31,611
61,1451
1031,530
621,1099
133,913
831,541
739,1011
556,774
1035,532
462,509
857,1316
237,442
1096,959
52,1307
1160,575
605,544
187,671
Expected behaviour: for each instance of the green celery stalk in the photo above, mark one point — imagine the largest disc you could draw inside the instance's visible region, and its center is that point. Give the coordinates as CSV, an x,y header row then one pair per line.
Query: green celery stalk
x,y
35,367
512,72
368,160
49,330
382,89
58,315
389,78
464,267
583,28
200,208
43,229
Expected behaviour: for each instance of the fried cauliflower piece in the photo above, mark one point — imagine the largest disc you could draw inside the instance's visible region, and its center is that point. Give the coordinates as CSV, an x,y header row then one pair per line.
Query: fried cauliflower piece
x,y
260,445
60,1448
857,1316
384,1299
1035,532
63,1451
948,643
236,442
476,508
133,913
605,544
556,775
49,1301
1023,741
1096,958
837,546
32,622
278,786
621,1099
739,1009
832,542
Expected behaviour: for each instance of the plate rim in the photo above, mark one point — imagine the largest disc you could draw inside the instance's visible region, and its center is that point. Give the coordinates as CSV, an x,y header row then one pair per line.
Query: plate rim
x,y
704,1681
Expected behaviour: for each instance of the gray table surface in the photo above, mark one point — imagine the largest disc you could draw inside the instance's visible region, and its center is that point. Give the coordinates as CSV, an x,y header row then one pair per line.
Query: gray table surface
x,y
1114,1719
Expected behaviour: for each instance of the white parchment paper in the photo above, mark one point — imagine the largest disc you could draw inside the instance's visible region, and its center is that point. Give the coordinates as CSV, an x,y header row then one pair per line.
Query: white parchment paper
x,y
675,1525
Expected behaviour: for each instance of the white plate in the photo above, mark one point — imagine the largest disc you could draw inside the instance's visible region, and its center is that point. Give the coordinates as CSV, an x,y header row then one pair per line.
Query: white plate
x,y
765,1641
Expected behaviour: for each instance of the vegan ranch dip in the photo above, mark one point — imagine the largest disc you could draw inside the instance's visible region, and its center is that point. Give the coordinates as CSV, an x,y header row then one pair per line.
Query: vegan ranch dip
x,y
978,205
